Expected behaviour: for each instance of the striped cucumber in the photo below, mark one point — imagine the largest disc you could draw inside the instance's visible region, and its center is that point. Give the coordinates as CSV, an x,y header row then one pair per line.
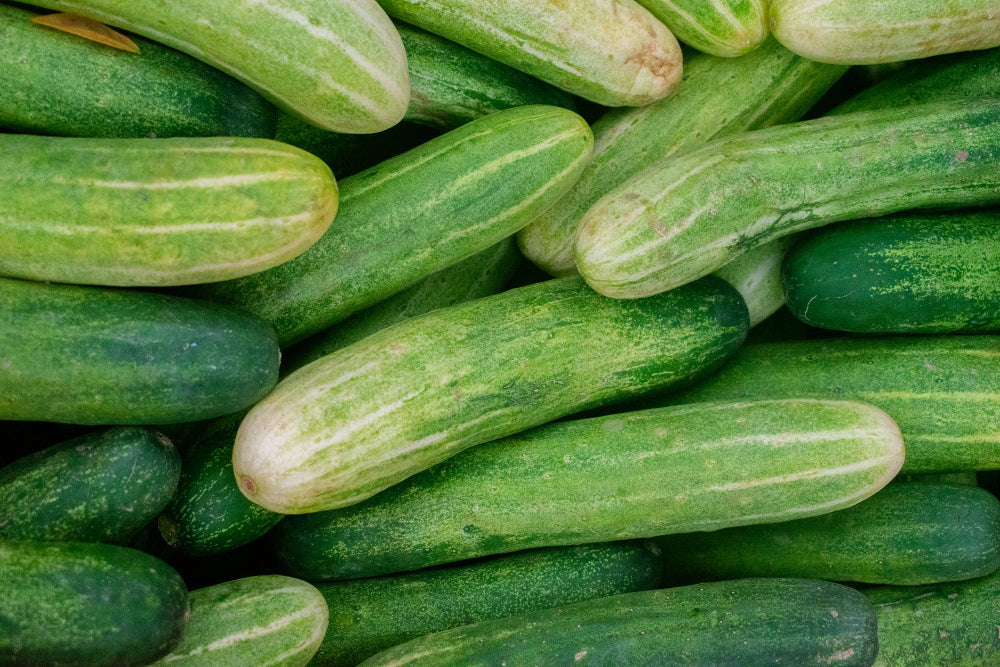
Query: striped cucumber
x,y
91,355
701,466
687,217
746,622
417,213
99,487
613,52
756,274
370,615
259,620
156,212
943,391
338,64
725,28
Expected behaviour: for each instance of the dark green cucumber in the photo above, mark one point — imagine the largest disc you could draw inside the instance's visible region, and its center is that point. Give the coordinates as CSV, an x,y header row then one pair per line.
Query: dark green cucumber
x,y
55,83
371,615
743,622
912,273
87,604
90,355
969,478
99,487
906,534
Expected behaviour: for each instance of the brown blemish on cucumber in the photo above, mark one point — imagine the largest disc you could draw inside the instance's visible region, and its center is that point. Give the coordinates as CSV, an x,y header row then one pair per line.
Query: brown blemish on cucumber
x,y
248,486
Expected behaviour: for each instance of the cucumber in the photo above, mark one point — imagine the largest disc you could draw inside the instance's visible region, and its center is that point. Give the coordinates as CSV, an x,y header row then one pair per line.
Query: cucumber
x,y
612,52
417,213
87,604
259,620
943,391
724,623
370,615
906,534
57,84
695,467
867,32
371,414
968,478
756,274
912,273
91,355
339,65
156,212
100,487
726,29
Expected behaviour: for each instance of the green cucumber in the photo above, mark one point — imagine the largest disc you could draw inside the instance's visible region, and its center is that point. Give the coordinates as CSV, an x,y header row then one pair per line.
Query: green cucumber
x,y
371,414
969,478
717,96
57,84
99,487
87,604
612,52
726,623
756,275
259,620
906,534
687,217
156,212
727,29
867,32
417,213
943,391
911,273
339,65
702,466
91,355
371,615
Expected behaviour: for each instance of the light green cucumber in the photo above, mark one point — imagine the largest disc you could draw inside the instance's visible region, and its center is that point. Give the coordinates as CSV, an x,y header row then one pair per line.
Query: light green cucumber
x,y
685,217
756,274
865,32
259,620
717,96
726,28
156,212
371,414
338,64
613,52
418,213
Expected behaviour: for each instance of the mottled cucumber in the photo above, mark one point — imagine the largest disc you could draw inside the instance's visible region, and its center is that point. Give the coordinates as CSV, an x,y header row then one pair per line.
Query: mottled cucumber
x,y
726,28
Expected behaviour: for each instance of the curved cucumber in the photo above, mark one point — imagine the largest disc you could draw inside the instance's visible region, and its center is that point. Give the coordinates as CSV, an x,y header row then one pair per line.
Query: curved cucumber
x,y
346,72
156,211
727,29
756,275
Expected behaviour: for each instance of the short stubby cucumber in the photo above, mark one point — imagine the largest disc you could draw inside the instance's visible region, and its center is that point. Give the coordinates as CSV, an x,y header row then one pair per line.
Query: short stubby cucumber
x,y
156,212
338,64
418,213
91,355
756,274
743,622
727,29
702,466
867,32
371,414
613,52
686,217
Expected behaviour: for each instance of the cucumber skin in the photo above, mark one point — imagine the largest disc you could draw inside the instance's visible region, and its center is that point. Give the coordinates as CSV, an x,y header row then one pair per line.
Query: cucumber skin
x,y
90,355
57,84
374,614
725,623
735,29
100,487
756,275
906,534
87,604
744,190
942,391
418,392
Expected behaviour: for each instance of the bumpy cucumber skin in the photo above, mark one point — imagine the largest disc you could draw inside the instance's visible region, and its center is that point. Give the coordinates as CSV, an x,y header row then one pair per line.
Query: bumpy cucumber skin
x,y
259,620
418,213
370,615
943,391
57,84
726,29
868,32
99,487
87,604
740,622
89,355
687,217
339,65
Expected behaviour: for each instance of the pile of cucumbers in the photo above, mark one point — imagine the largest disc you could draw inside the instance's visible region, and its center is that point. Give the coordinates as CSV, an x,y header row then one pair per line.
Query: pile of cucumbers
x,y
589,332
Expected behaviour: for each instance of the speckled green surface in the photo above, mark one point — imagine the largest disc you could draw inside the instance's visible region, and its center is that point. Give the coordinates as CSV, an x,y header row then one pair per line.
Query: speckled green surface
x,y
725,28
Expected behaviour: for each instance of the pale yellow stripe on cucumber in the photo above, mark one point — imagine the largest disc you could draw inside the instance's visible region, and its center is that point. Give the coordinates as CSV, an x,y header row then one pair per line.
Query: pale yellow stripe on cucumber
x,y
696,25
295,591
309,643
777,440
207,182
154,148
247,635
114,230
807,9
